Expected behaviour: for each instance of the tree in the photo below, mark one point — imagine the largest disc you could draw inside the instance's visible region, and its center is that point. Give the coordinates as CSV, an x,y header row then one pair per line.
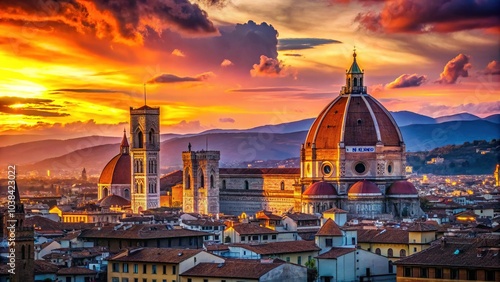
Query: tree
x,y
312,270
227,239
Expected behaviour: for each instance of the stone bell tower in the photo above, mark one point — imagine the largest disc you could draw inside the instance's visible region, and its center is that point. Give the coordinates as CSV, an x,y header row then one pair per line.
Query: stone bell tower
x,y
201,181
145,155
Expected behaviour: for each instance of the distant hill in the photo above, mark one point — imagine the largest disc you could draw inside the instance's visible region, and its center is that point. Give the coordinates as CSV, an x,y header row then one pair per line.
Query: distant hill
x,y
493,118
457,117
404,118
30,152
475,157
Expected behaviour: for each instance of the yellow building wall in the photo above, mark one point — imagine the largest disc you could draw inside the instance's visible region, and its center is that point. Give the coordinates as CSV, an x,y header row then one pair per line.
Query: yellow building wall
x,y
384,247
159,276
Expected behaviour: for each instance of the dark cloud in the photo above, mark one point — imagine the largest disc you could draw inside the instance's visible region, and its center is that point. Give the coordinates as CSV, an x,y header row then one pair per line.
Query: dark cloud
x,y
31,107
293,55
303,43
407,80
432,16
171,78
123,21
269,67
266,89
492,68
214,3
455,68
242,44
227,120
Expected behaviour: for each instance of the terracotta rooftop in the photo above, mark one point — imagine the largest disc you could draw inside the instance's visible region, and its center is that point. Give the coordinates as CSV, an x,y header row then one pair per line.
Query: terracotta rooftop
x,y
395,236
321,188
422,227
113,200
241,269
136,219
259,171
43,267
280,247
42,223
458,252
298,216
171,179
251,229
162,255
329,228
139,231
203,222
216,247
267,215
334,253
335,210
76,271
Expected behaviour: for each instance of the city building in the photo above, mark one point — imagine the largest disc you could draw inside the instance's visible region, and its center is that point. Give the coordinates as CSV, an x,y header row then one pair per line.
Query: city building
x,y
461,259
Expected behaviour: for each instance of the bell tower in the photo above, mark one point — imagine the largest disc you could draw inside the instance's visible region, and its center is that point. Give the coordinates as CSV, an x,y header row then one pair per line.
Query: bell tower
x,y
145,155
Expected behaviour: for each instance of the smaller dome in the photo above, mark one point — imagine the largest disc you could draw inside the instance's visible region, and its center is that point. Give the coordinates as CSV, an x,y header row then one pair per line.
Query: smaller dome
x,y
364,188
113,200
402,187
321,188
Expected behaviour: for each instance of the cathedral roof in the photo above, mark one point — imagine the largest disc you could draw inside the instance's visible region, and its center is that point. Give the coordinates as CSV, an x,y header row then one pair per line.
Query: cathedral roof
x,y
364,188
329,228
320,188
113,200
354,118
117,170
402,187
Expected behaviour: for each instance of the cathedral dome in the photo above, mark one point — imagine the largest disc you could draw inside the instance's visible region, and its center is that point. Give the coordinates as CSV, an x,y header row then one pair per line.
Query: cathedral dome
x,y
364,188
354,118
321,188
402,187
113,200
117,170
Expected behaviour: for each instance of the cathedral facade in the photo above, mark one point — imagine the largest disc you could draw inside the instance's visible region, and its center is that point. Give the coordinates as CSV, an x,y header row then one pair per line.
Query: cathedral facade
x,y
353,158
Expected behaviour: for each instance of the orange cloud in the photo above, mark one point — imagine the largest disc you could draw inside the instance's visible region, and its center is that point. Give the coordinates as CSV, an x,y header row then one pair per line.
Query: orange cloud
x,y
492,68
269,67
226,63
407,80
455,68
178,53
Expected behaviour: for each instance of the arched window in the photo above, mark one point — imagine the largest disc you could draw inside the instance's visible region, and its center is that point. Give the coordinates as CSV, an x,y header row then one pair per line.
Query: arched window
x,y
202,180
391,267
126,194
349,82
282,185
151,136
402,253
377,251
355,81
141,187
105,192
247,186
188,181
361,81
139,139
390,254
212,181
224,184
23,252
29,251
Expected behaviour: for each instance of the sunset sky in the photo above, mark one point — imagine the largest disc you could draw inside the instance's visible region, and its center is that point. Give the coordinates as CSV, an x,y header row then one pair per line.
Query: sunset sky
x,y
74,67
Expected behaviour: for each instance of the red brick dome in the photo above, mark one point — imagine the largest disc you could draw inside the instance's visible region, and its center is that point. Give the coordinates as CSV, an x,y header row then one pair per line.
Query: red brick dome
x,y
364,188
117,170
402,187
354,120
321,188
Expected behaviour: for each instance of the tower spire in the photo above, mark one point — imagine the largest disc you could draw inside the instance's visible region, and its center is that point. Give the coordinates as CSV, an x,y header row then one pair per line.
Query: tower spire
x,y
124,145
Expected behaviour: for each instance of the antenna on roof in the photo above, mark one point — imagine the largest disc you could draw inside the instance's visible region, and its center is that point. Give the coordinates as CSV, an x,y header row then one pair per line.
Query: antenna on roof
x,y
144,94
